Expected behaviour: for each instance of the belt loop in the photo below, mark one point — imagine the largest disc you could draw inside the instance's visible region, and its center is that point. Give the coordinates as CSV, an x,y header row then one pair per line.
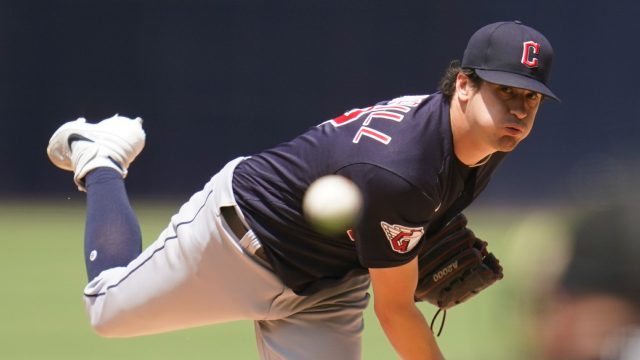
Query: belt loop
x,y
253,246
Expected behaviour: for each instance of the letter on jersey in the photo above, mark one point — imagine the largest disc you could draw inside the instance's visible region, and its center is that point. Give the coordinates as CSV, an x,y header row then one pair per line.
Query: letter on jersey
x,y
395,110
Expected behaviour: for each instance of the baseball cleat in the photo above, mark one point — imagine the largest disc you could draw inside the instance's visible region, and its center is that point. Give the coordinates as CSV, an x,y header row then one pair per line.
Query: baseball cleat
x,y
81,147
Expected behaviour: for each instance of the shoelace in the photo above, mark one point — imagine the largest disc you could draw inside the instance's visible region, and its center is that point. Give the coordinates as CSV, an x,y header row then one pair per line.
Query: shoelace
x,y
444,317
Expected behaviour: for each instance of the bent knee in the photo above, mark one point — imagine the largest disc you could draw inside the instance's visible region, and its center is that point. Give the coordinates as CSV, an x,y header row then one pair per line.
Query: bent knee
x,y
109,329
104,331
118,322
108,323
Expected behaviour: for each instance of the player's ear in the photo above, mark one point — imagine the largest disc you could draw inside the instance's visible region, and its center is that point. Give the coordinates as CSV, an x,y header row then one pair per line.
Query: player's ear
x,y
464,86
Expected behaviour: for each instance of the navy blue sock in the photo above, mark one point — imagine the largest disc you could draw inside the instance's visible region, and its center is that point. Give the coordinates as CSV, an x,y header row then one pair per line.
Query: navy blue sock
x,y
112,235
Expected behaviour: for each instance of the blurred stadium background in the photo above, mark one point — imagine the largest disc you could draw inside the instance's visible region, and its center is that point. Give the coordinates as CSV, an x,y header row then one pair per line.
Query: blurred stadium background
x,y
219,79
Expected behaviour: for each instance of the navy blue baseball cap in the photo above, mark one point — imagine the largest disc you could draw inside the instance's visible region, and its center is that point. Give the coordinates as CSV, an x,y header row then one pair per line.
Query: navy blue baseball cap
x,y
513,54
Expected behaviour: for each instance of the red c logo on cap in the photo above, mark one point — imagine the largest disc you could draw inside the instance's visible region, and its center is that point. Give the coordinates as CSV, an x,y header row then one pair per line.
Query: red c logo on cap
x,y
528,48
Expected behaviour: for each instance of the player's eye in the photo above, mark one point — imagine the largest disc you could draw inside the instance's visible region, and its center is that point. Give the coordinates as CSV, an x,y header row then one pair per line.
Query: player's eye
x,y
505,92
533,96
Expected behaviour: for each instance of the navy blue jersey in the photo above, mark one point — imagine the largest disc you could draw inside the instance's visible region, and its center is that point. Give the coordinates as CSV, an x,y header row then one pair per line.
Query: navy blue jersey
x,y
398,152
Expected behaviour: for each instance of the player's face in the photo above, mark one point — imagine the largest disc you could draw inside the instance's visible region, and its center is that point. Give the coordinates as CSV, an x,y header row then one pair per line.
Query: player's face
x,y
502,116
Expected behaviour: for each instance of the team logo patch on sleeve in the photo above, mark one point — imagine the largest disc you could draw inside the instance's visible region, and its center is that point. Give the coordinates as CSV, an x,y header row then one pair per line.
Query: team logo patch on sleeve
x,y
402,238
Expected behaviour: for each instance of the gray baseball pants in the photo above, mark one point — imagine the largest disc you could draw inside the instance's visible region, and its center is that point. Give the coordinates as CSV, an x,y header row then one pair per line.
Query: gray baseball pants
x,y
199,273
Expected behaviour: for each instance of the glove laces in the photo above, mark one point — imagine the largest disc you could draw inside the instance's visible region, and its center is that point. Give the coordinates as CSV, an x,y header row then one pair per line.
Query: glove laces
x,y
444,317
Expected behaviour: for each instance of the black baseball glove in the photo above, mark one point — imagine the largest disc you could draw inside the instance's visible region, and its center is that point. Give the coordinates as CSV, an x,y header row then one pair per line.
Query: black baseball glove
x,y
454,265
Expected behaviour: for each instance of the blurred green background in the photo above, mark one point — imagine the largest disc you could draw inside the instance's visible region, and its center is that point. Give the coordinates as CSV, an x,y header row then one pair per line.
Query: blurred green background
x,y
42,276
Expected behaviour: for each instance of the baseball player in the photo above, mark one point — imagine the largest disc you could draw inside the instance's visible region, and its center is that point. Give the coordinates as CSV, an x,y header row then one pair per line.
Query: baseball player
x,y
241,248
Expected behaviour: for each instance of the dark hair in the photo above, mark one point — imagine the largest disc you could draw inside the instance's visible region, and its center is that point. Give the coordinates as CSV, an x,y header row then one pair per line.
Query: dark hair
x,y
448,82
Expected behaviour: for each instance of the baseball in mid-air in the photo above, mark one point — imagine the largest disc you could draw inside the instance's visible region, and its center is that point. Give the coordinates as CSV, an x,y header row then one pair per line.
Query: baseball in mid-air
x,y
332,204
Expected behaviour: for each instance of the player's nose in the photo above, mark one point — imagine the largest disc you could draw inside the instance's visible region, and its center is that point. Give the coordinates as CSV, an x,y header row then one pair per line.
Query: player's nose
x,y
518,108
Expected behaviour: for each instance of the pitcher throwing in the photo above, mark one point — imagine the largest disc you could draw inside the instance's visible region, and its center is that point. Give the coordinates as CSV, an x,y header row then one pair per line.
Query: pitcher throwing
x,y
241,248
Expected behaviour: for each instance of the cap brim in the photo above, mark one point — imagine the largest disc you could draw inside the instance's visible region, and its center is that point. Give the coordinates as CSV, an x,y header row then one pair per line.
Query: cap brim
x,y
515,80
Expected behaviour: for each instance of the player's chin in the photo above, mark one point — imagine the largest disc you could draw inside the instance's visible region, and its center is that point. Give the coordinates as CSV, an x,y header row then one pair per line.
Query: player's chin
x,y
508,143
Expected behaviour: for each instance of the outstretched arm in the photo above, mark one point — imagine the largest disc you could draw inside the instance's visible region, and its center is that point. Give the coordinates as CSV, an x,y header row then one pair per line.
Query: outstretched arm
x,y
403,323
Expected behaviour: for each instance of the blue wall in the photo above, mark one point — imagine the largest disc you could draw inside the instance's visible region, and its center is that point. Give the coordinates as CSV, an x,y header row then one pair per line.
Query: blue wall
x,y
218,79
